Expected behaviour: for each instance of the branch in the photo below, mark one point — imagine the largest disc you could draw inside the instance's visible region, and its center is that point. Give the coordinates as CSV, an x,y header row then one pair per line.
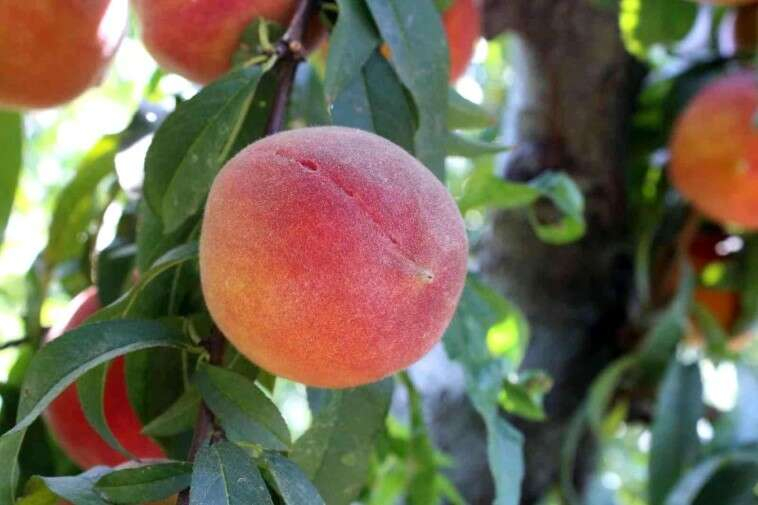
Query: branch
x,y
14,343
290,52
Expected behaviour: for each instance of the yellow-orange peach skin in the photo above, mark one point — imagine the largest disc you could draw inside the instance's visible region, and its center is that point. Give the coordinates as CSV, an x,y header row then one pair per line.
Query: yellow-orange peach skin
x,y
714,151
51,51
198,39
330,256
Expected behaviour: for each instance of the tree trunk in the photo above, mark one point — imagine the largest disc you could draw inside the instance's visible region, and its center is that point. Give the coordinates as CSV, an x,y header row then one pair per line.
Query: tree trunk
x,y
570,108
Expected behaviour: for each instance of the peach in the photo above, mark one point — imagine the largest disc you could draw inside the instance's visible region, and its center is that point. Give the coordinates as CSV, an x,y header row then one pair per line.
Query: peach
x,y
463,25
714,151
330,256
51,51
65,416
198,39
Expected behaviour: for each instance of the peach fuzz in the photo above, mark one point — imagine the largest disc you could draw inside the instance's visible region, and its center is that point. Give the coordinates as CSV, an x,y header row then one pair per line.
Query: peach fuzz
x,y
714,151
51,51
330,256
198,39
67,421
463,25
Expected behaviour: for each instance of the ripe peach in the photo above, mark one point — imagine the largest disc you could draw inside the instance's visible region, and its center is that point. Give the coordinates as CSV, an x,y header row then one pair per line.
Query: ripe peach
x,y
198,39
66,419
714,151
330,256
463,25
51,51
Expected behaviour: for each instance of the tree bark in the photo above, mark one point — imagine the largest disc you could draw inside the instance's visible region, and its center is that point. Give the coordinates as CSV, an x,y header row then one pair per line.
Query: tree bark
x,y
570,108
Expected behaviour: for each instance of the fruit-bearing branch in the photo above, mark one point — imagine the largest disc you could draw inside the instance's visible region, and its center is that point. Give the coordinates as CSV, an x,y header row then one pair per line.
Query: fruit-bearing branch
x,y
289,53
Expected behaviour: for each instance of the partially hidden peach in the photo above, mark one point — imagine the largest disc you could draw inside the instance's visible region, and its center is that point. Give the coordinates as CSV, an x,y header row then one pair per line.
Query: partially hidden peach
x,y
714,151
67,421
51,51
463,26
330,256
197,39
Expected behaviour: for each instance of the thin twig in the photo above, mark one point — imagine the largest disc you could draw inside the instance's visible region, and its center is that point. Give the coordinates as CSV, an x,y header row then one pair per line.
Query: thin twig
x,y
14,343
290,51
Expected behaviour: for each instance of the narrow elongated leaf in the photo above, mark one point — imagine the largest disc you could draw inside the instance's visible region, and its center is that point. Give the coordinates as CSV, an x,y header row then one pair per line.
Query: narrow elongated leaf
x,y
307,105
11,157
603,387
79,489
675,442
466,341
689,487
58,364
463,114
414,33
336,450
192,145
648,22
461,145
245,412
124,306
74,208
10,445
178,418
145,483
375,101
351,43
91,390
225,475
290,481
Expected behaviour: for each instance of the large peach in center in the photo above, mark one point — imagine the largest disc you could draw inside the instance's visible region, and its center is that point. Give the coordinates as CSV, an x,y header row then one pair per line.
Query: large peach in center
x,y
330,256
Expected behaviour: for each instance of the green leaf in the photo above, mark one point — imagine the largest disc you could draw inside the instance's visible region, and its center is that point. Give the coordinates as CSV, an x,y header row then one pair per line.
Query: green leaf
x,y
675,443
566,196
245,412
10,445
351,43
37,493
91,390
505,448
523,394
468,341
692,484
154,380
414,33
603,387
78,489
193,143
151,482
178,418
225,475
125,305
307,105
11,159
484,189
335,452
645,23
58,364
290,481
375,101
462,145
463,114
75,206
114,266
749,287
